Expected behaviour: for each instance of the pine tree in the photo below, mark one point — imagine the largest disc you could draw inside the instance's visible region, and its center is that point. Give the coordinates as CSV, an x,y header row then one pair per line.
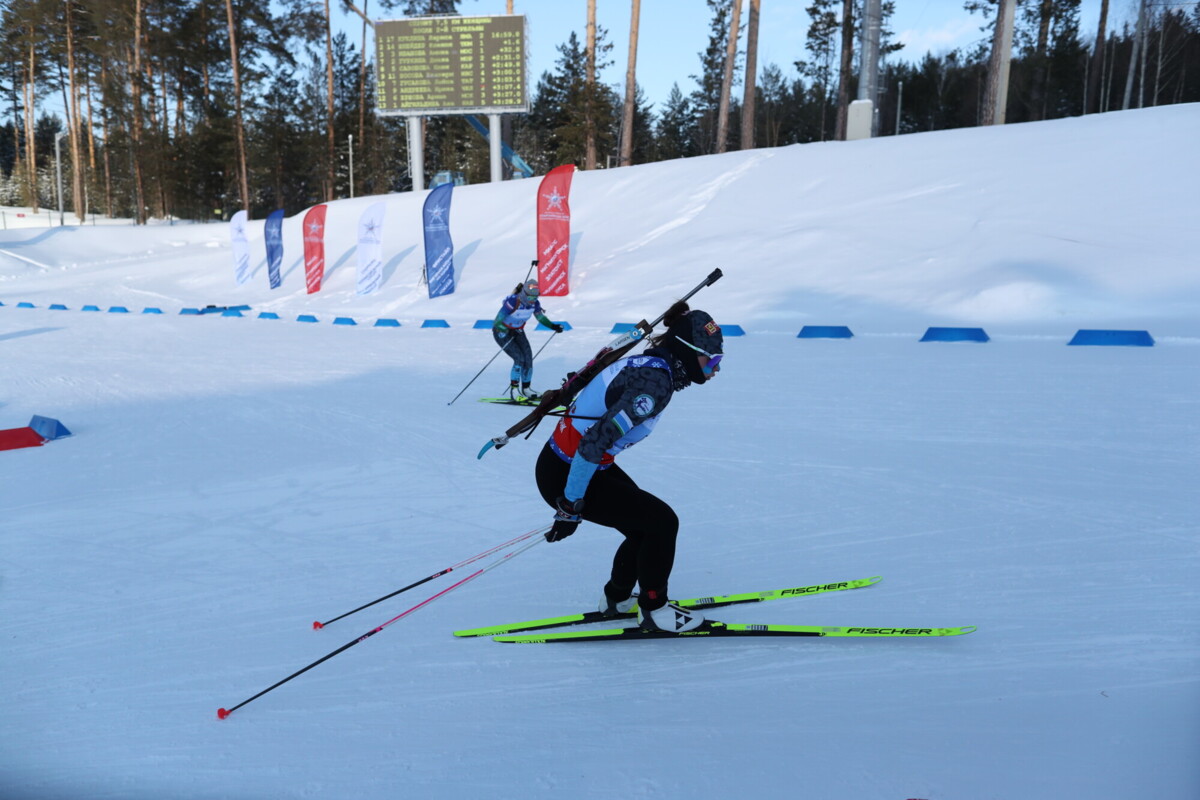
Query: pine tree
x,y
819,43
706,99
677,131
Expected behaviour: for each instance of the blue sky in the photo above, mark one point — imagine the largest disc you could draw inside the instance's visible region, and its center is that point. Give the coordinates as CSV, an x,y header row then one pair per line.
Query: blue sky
x,y
673,32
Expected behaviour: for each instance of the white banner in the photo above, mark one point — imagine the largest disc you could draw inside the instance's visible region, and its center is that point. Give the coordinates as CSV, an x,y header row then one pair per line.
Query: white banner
x,y
370,250
241,247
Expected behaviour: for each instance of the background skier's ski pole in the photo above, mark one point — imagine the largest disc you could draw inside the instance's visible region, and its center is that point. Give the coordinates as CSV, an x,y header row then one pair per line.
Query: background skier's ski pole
x,y
222,713
485,366
318,625
543,347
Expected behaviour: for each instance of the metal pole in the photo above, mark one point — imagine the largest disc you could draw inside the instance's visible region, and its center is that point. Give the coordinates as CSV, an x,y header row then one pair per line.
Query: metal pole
x,y
899,100
868,81
58,168
416,154
352,166
494,148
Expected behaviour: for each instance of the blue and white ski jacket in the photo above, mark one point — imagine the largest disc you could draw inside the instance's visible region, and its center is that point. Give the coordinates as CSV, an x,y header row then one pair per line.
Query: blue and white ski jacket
x,y
514,312
618,409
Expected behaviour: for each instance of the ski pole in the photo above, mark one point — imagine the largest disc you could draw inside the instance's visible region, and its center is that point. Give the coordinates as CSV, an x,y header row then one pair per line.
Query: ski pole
x,y
543,347
222,713
503,347
319,625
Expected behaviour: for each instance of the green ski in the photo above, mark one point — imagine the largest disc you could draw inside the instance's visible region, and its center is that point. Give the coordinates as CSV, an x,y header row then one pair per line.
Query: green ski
x,y
695,602
507,401
716,629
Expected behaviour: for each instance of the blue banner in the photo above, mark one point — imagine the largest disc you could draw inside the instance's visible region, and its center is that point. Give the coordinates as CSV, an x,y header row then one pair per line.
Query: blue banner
x,y
274,233
439,248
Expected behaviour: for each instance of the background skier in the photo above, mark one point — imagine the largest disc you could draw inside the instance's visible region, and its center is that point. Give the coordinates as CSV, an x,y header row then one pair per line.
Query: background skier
x,y
508,330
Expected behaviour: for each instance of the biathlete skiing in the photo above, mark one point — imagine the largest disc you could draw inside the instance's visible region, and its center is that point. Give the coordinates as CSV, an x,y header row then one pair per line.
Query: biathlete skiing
x,y
508,329
577,476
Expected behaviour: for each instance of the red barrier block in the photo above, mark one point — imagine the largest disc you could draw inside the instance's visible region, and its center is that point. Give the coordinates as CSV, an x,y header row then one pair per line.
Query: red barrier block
x,y
16,438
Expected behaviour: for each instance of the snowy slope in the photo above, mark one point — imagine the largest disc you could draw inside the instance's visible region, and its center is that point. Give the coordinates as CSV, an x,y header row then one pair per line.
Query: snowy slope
x,y
231,480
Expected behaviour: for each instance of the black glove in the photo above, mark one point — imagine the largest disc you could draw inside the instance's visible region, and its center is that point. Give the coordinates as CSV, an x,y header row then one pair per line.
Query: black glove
x,y
566,519
554,326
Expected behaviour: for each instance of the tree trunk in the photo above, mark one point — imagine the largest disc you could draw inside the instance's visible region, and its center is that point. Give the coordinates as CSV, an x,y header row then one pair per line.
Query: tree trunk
x,y
995,96
630,88
1133,58
90,127
747,140
589,90
239,131
206,92
331,154
1141,96
1162,35
73,123
727,77
108,198
30,96
1040,72
847,65
1096,71
139,178
362,96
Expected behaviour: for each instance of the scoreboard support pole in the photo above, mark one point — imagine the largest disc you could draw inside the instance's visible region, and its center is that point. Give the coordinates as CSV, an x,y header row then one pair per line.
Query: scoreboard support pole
x,y
416,153
494,142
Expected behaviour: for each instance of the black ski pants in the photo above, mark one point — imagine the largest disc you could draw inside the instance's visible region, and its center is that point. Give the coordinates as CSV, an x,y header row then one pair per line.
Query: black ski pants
x,y
613,500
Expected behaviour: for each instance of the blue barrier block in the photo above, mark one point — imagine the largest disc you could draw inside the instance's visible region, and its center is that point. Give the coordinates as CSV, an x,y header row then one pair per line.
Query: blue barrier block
x,y
481,324
118,310
1113,338
306,318
344,321
267,315
191,312
48,428
26,305
90,308
387,323
53,307
955,335
623,327
825,332
732,330
231,312
435,323
151,310
240,308
566,325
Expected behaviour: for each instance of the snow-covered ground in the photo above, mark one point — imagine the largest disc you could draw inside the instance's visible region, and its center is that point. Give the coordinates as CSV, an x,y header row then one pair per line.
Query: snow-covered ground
x,y
231,480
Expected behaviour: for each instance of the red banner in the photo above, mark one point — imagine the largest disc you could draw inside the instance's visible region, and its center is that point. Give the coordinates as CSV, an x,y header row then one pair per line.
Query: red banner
x,y
314,248
554,231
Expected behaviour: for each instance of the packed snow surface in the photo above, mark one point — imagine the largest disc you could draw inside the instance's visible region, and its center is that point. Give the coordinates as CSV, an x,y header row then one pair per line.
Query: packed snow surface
x,y
229,480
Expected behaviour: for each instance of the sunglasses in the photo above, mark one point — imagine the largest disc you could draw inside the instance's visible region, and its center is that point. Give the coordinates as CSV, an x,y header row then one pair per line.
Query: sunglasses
x,y
714,361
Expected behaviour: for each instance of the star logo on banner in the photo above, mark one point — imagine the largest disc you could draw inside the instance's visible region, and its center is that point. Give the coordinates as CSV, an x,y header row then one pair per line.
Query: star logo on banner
x,y
238,230
435,213
554,200
369,228
314,228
